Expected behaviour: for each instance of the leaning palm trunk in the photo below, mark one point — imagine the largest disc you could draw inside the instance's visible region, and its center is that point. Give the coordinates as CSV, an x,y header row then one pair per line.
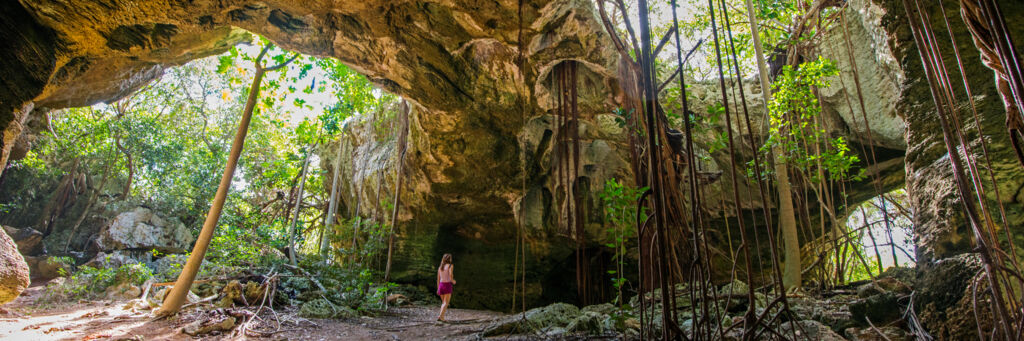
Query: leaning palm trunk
x,y
188,274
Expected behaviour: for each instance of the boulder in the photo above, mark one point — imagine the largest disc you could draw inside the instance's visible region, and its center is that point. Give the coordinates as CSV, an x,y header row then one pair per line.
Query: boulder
x,y
588,322
221,323
548,318
397,300
809,330
49,267
114,259
736,288
254,292
883,333
123,291
558,314
603,308
880,306
14,274
882,285
30,241
141,228
169,266
322,308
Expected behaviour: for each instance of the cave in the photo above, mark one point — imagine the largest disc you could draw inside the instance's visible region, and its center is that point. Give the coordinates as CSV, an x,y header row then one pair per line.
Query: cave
x,y
482,173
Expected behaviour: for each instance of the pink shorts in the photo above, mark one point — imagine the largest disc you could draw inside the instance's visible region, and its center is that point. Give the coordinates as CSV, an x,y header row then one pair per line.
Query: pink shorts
x,y
444,288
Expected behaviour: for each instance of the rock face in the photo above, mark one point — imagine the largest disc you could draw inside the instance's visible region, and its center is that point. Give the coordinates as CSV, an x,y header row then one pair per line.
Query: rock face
x,y
465,191
30,241
14,276
143,229
942,236
941,230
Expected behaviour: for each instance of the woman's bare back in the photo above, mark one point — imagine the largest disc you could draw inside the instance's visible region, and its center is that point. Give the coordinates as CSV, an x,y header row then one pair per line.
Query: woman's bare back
x,y
445,273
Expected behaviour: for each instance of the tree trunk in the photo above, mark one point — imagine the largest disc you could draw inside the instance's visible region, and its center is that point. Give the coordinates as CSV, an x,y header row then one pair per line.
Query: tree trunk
x,y
298,205
355,228
402,146
787,216
332,206
376,206
130,164
181,287
88,206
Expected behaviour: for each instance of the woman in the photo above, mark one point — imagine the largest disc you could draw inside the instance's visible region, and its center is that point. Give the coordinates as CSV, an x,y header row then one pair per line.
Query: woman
x,y
445,280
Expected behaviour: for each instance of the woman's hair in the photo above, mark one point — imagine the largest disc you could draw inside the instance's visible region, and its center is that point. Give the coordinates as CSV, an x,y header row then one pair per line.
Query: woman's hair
x,y
446,259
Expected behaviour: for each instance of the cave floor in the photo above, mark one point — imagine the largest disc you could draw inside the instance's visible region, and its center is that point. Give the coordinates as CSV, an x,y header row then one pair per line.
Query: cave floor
x,y
25,319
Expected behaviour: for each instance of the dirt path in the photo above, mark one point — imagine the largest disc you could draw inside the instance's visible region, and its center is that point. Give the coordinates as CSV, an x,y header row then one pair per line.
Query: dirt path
x,y
406,323
23,319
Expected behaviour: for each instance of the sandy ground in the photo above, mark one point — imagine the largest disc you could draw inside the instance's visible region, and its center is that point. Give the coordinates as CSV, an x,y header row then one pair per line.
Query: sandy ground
x,y
23,319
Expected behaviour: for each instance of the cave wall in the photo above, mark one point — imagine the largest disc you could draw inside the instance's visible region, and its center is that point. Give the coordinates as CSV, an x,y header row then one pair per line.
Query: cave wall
x,y
456,62
940,229
441,214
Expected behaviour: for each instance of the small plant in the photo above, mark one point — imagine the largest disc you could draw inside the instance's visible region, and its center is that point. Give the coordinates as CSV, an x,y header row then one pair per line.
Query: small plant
x,y
620,211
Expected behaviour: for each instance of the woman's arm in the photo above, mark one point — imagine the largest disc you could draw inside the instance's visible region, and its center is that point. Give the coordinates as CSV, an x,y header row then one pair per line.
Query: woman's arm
x,y
451,272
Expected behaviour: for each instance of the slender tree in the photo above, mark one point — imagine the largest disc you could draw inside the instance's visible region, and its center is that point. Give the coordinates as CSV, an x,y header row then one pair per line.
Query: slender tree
x,y
172,304
787,215
325,238
402,146
298,205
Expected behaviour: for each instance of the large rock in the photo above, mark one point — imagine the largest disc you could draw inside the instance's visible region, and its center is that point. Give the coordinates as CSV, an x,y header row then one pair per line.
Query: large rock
x,y
141,228
48,267
809,330
30,241
217,323
322,308
14,276
556,316
112,260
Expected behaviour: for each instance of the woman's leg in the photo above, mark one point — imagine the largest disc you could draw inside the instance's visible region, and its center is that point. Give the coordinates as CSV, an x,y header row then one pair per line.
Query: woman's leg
x,y
444,305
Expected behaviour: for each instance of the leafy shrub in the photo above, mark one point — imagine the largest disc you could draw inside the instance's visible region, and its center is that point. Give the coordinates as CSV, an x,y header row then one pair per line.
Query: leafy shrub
x,y
136,274
90,283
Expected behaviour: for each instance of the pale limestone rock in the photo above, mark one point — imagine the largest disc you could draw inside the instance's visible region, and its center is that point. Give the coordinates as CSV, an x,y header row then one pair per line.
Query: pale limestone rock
x,y
14,273
141,228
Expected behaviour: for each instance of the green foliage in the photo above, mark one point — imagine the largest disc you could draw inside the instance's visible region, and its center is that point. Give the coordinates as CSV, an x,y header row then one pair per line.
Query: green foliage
x,y
795,125
67,262
351,287
620,212
178,131
370,237
90,283
134,274
234,246
355,96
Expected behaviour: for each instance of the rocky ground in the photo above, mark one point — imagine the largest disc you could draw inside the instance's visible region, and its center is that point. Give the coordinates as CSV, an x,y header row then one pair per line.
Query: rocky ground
x,y
25,319
842,314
